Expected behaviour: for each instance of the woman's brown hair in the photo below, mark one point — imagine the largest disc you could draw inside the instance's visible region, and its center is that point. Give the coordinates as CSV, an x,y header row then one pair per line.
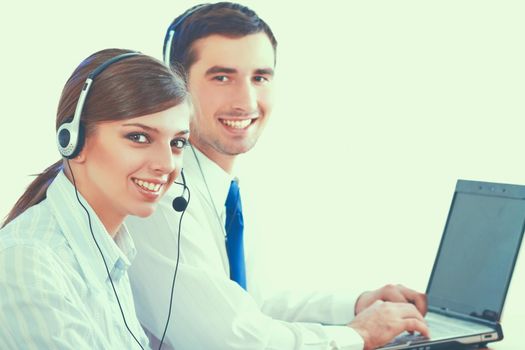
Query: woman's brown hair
x,y
129,88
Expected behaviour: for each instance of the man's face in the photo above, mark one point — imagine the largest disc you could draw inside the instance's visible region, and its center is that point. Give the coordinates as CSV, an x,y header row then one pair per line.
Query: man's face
x,y
231,83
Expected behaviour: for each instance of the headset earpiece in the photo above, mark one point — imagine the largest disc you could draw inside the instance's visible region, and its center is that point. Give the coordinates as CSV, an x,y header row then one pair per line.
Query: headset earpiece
x,y
70,140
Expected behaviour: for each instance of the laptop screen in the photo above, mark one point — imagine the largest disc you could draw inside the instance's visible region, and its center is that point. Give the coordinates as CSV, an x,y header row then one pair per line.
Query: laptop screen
x,y
478,249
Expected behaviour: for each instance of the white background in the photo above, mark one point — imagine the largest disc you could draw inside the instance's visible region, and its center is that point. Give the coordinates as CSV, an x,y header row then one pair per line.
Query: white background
x,y
382,106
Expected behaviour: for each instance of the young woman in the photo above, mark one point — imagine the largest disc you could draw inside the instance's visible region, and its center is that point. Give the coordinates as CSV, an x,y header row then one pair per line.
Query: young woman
x,y
64,250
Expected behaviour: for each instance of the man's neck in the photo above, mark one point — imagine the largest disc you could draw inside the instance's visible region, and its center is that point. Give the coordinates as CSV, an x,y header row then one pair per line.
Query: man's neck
x,y
226,162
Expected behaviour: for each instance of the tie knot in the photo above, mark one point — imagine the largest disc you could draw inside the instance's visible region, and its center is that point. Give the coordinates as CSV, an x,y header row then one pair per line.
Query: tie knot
x,y
234,198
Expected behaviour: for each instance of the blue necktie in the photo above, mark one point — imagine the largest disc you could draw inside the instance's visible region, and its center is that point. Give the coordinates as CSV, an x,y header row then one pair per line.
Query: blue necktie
x,y
234,235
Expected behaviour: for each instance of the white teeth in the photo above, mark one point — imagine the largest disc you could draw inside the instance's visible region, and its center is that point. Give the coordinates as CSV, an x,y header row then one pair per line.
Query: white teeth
x,y
148,185
237,124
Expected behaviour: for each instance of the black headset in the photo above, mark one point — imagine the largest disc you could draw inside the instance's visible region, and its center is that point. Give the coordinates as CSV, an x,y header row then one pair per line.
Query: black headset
x,y
71,134
70,140
172,29
180,203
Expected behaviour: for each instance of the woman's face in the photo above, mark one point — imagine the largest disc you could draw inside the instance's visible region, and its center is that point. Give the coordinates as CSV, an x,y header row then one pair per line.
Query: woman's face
x,y
127,165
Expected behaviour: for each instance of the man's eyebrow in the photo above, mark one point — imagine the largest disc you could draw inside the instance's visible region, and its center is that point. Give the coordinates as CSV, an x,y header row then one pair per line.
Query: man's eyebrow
x,y
228,70
220,69
265,71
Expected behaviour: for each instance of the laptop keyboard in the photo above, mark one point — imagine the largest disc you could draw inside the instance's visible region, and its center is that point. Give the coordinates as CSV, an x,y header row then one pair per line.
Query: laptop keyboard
x,y
441,327
445,327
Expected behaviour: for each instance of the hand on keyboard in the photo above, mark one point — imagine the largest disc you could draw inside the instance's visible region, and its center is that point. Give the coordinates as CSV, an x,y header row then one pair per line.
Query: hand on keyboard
x,y
408,338
382,321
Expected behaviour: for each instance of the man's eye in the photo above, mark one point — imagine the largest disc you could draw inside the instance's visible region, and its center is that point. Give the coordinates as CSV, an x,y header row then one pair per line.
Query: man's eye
x,y
138,137
260,79
179,143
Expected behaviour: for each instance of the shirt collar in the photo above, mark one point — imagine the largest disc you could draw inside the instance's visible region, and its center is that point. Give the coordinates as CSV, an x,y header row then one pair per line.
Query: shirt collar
x,y
74,224
212,175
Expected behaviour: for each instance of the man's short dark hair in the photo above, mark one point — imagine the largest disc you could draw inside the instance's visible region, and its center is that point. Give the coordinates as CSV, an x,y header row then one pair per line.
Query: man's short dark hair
x,y
223,18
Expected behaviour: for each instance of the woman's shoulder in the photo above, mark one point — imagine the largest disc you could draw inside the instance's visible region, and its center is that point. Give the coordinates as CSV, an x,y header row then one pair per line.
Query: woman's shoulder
x,y
34,246
35,226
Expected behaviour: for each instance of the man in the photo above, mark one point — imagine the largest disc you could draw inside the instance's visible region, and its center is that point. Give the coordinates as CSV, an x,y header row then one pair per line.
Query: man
x,y
228,53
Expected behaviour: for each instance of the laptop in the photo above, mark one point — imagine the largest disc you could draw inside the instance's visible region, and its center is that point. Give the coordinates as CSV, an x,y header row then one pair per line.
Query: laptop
x,y
473,267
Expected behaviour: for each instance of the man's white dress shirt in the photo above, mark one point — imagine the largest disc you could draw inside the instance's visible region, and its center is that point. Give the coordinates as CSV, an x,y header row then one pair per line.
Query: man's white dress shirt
x,y
209,310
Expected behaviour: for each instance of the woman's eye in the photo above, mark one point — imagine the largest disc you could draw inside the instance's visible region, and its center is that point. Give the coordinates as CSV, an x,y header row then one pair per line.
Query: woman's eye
x,y
221,78
138,138
179,143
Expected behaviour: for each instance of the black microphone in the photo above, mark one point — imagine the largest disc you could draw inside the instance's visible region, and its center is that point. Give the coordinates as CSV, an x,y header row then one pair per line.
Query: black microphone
x,y
180,203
